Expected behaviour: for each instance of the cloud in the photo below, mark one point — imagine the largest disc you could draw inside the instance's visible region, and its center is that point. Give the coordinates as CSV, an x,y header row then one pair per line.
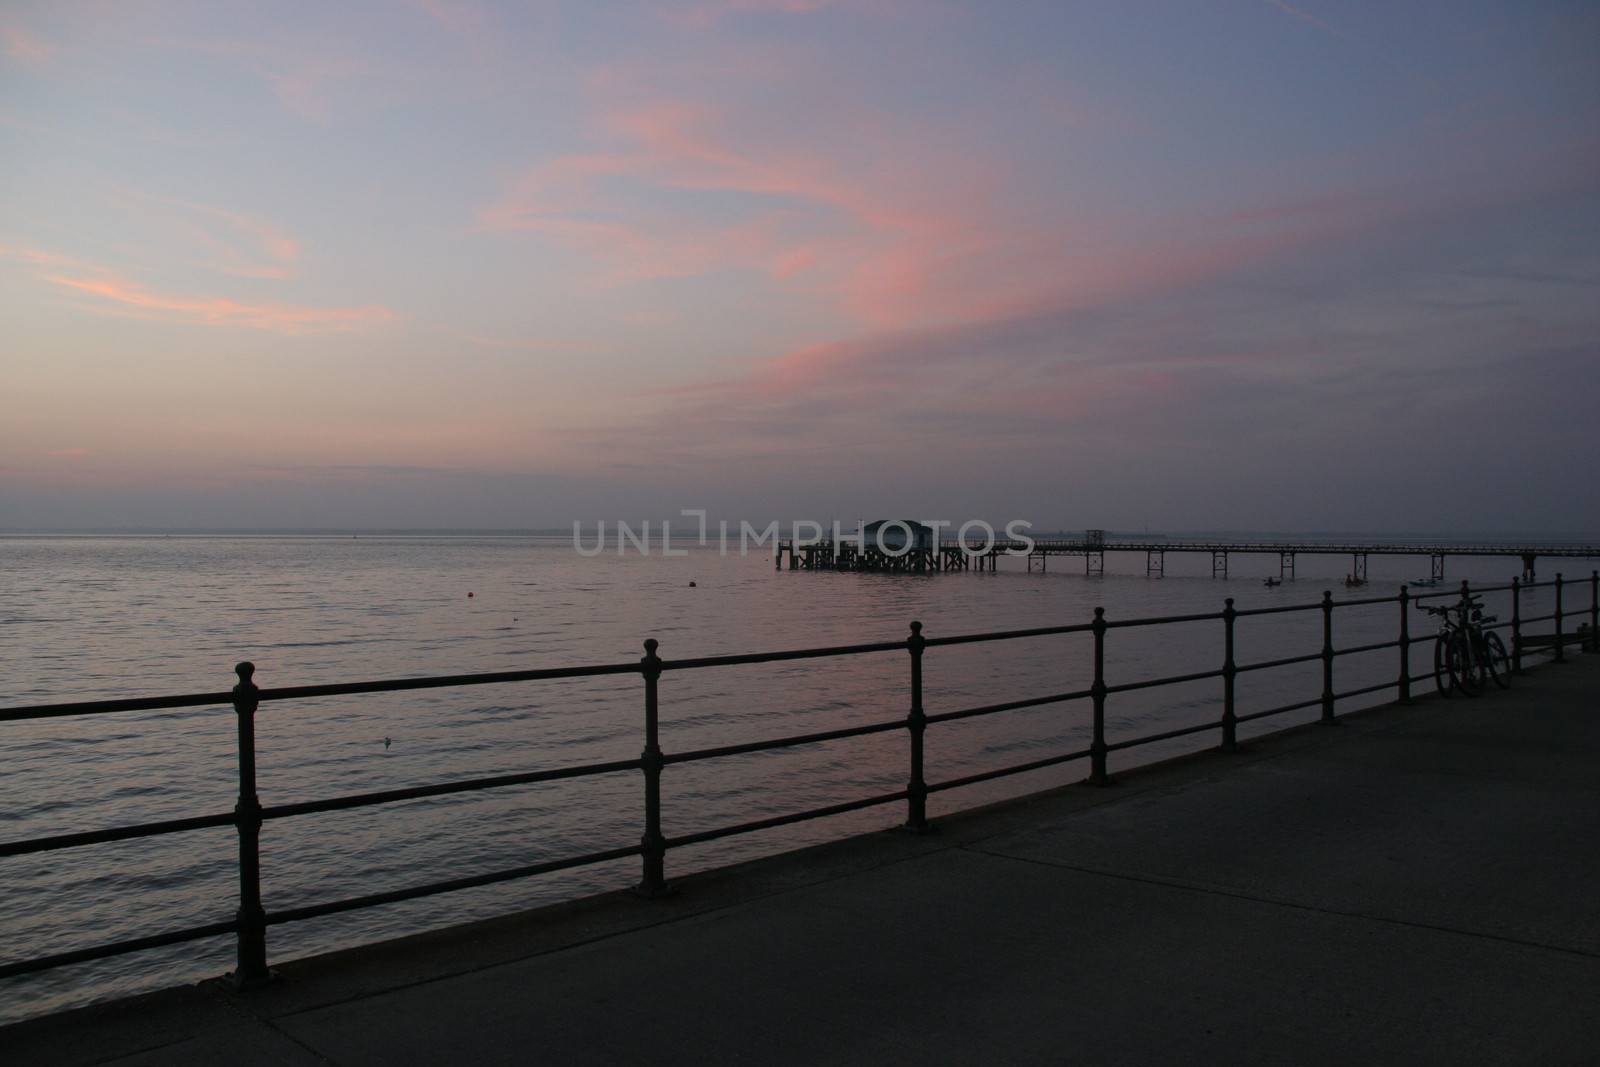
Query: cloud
x,y
22,45
119,295
40,258
1319,326
459,16
1309,19
221,311
242,245
703,14
316,82
881,240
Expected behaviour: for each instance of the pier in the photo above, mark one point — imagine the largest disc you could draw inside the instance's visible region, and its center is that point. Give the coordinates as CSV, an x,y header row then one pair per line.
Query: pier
x,y
1415,887
955,555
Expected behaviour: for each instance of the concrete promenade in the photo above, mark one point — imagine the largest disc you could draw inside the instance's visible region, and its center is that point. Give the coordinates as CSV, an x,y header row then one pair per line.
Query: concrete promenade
x,y
1417,885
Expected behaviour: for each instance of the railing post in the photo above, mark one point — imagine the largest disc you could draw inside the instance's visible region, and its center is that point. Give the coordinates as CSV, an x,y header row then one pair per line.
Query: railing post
x,y
1097,746
252,918
1327,657
1229,713
1594,611
653,846
916,726
1516,625
1561,650
1405,646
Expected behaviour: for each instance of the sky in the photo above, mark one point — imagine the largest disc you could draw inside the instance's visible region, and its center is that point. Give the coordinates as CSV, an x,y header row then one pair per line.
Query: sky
x,y
1213,264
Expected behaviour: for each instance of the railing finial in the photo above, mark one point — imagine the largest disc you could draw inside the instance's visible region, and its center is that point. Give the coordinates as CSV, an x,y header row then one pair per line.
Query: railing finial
x,y
246,671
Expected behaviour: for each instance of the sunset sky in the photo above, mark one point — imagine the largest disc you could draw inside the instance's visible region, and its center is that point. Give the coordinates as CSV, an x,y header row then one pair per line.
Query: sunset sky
x,y
1237,264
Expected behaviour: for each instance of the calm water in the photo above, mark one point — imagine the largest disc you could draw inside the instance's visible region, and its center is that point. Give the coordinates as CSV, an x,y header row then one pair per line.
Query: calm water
x,y
85,618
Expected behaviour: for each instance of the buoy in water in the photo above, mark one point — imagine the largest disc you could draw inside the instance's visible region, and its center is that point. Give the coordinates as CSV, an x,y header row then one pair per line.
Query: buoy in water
x,y
469,596
691,585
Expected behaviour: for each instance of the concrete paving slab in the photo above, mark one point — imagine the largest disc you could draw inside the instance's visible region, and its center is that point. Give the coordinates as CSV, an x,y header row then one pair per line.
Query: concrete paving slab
x,y
959,958
1402,821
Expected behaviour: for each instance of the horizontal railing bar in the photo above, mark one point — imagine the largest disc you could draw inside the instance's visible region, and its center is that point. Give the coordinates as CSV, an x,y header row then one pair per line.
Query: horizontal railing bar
x,y
116,948
1006,635
1313,702
303,692
116,833
1002,772
784,742
1378,647
1364,690
775,657
1175,679
1363,602
785,820
395,896
396,685
1161,620
389,796
1009,705
1545,618
1165,735
1287,661
1454,591
99,707
1278,610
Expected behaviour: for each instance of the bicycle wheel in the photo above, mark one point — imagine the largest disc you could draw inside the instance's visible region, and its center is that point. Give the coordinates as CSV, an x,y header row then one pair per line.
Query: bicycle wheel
x,y
1465,670
1496,659
1441,664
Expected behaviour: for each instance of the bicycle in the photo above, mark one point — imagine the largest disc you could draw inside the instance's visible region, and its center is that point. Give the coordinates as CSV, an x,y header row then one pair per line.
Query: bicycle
x,y
1465,655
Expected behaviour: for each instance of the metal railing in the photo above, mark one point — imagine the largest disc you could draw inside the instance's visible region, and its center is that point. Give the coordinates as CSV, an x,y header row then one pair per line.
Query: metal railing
x,y
251,921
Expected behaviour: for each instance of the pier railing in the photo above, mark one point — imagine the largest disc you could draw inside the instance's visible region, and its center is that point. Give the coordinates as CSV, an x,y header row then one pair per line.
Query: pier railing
x,y
251,920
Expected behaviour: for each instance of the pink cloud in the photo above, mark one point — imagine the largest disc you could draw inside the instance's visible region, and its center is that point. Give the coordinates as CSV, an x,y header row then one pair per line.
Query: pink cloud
x,y
22,45
40,258
222,311
458,16
868,235
242,245
708,13
1308,18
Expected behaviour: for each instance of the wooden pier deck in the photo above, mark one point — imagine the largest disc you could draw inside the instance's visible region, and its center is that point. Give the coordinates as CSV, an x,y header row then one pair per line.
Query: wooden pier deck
x,y
952,555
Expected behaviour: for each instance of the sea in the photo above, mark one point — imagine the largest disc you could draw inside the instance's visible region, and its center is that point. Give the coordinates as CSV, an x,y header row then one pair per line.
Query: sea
x,y
110,616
